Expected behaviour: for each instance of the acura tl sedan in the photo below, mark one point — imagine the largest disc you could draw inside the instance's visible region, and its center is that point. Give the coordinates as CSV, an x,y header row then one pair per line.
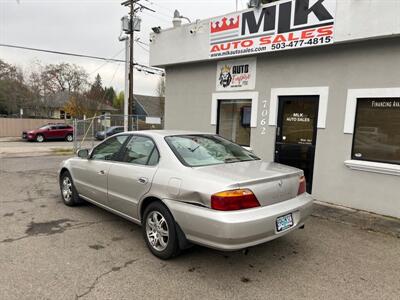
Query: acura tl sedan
x,y
188,188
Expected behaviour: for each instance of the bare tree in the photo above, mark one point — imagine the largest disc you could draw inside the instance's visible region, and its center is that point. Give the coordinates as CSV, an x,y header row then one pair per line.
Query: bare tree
x,y
14,93
64,77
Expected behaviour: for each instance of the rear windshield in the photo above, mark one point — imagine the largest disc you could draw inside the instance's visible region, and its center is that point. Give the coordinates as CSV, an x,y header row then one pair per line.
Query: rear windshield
x,y
206,150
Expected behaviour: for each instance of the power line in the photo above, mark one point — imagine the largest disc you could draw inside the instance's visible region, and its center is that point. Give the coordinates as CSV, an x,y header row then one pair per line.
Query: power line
x,y
145,49
107,62
82,56
62,53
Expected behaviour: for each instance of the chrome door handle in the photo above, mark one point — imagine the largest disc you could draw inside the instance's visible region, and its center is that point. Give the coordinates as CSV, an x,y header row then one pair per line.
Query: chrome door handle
x,y
143,180
102,172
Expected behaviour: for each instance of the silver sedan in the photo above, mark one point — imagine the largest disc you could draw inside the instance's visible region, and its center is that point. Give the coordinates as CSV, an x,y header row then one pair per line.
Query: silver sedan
x,y
188,187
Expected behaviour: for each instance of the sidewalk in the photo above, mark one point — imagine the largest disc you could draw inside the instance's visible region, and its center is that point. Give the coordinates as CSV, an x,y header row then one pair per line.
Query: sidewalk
x,y
356,218
12,147
10,139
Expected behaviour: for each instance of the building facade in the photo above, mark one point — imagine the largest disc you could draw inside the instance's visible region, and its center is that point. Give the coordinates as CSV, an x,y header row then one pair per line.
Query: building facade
x,y
312,84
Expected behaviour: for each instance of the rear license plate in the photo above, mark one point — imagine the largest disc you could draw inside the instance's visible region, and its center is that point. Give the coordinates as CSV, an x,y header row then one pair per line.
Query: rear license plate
x,y
284,222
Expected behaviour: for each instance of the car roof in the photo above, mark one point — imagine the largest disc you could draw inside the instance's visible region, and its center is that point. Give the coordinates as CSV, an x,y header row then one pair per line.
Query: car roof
x,y
164,133
48,124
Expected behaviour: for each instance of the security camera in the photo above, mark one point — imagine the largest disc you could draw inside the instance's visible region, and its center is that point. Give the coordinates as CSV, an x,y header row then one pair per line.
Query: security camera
x,y
156,30
151,40
192,31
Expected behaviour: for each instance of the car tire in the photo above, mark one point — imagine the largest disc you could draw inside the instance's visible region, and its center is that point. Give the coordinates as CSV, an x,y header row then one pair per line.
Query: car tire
x,y
69,194
159,231
69,138
40,138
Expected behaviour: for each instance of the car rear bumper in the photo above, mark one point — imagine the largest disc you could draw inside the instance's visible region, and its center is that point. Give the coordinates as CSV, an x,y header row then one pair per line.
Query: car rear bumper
x,y
237,230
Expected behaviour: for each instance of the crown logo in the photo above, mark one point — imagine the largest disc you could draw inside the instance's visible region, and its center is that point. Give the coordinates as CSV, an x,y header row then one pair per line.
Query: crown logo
x,y
225,24
225,69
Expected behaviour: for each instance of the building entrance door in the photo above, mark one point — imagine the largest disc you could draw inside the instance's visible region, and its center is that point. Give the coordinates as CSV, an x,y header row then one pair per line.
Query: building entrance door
x,y
296,133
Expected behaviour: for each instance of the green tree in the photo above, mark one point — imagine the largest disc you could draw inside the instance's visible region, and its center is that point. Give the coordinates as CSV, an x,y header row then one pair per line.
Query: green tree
x,y
110,95
118,102
96,91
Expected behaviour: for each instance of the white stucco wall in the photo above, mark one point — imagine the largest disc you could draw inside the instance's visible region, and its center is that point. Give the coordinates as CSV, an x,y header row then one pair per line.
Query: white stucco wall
x,y
191,89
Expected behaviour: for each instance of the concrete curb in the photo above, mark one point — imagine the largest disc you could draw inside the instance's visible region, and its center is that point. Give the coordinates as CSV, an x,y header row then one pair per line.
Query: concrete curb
x,y
357,218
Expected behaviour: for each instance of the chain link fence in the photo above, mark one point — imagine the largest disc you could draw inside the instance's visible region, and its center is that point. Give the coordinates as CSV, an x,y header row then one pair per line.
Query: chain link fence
x,y
89,132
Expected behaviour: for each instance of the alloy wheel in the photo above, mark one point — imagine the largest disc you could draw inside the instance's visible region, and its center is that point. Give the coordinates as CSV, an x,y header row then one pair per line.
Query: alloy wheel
x,y
157,231
67,189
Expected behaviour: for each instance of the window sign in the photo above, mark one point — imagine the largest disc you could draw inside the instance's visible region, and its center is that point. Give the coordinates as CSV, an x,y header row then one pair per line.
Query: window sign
x,y
236,75
377,130
298,122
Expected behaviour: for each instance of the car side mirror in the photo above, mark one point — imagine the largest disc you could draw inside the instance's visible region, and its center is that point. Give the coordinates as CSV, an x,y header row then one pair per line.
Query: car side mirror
x,y
83,153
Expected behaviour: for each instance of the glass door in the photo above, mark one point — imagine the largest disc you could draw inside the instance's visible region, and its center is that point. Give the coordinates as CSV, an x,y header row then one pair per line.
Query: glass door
x,y
296,133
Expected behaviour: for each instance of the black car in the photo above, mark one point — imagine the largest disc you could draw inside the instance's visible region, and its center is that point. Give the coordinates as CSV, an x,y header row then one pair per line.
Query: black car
x,y
101,135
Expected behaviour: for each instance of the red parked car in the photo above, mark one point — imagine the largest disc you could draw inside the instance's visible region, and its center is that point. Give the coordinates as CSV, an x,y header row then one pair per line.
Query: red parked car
x,y
50,132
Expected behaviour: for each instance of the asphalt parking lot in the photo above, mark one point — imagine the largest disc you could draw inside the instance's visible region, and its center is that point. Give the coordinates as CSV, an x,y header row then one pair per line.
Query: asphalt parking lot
x,y
50,251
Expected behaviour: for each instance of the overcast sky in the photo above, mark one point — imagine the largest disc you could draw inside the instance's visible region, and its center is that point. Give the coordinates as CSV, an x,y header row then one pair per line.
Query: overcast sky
x,y
90,27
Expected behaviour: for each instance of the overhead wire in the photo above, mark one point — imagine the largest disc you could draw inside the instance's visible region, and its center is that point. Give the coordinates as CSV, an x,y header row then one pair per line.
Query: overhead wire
x,y
106,63
155,70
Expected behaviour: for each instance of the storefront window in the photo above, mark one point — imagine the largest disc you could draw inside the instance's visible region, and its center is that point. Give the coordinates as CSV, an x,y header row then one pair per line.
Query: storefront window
x,y
234,118
377,130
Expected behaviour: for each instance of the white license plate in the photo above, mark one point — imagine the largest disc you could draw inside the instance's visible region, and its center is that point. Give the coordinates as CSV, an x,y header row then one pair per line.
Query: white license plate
x,y
284,222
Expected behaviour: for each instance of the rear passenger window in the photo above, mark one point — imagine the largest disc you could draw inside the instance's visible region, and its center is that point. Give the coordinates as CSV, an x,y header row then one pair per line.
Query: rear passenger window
x,y
155,156
109,149
142,151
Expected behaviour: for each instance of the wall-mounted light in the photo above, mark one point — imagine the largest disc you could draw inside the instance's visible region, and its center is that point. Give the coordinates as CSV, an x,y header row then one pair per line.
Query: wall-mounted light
x,y
177,20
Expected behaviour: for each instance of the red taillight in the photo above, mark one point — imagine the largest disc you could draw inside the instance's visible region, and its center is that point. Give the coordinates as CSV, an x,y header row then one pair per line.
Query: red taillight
x,y
302,186
234,200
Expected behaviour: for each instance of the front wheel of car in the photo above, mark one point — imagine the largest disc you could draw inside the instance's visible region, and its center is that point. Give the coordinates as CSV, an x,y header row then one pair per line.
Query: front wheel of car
x,y
40,138
159,231
69,138
69,193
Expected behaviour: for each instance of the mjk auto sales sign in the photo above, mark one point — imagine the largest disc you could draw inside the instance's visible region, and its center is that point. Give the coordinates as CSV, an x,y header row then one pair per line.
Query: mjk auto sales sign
x,y
281,25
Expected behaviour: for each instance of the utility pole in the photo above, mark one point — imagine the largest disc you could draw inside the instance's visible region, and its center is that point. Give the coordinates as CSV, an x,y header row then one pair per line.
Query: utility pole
x,y
126,91
134,25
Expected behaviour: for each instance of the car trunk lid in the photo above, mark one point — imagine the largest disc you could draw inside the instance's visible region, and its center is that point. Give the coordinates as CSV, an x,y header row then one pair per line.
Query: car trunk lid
x,y
270,182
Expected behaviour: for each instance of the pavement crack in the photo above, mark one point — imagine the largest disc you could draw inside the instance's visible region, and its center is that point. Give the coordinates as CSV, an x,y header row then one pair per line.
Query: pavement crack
x,y
97,279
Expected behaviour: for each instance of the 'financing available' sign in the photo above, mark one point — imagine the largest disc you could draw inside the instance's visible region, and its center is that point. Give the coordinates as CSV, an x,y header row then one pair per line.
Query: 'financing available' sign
x,y
281,25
